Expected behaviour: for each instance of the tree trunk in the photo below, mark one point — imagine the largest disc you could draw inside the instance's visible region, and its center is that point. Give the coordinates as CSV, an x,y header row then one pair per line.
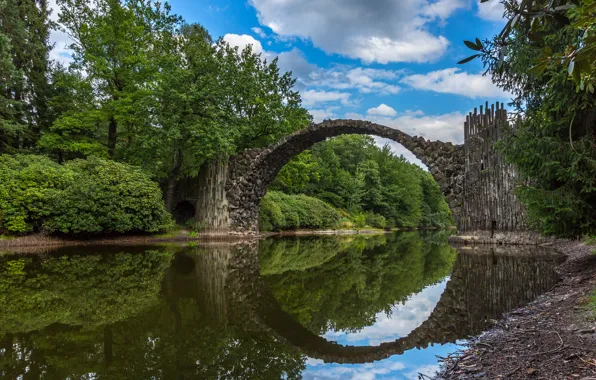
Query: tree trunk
x,y
212,206
112,133
172,177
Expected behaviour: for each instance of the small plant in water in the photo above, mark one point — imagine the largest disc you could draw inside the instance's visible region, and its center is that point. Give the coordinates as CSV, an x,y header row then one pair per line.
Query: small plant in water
x,y
192,244
193,234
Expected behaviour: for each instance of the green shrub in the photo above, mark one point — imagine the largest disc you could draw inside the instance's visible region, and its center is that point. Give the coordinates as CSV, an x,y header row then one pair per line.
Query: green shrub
x,y
279,212
82,196
375,220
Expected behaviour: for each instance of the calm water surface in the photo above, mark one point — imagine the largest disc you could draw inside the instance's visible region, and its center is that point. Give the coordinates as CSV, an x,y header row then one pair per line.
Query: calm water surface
x,y
352,307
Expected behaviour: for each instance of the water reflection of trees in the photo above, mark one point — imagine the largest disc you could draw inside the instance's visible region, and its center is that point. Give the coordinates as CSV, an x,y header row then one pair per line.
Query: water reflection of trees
x,y
357,280
121,315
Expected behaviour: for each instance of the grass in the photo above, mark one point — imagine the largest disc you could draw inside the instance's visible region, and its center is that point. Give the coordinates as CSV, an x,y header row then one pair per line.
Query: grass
x,y
591,306
7,237
591,240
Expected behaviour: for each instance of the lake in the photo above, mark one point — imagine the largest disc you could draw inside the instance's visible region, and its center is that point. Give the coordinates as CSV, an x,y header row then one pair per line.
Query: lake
x,y
327,307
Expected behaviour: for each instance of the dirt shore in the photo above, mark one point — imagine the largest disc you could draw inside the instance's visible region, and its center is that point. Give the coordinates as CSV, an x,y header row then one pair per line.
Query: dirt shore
x,y
553,337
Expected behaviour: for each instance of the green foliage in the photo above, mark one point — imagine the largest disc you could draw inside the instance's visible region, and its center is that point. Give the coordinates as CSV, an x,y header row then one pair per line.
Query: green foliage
x,y
545,57
78,290
353,174
346,288
279,211
104,313
27,184
24,72
83,196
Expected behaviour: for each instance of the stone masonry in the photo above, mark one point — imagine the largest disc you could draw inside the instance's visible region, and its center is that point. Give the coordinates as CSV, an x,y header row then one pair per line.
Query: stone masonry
x,y
251,173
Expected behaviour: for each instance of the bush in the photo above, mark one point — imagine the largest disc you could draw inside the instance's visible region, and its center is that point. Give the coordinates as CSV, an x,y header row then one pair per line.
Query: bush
x,y
375,220
82,196
279,212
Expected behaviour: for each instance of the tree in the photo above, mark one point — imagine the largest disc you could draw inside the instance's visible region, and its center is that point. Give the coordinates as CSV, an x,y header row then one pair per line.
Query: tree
x,y
77,127
113,45
545,56
372,184
24,69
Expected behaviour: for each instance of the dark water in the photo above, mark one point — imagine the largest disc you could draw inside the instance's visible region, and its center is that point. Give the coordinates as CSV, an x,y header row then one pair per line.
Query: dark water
x,y
313,307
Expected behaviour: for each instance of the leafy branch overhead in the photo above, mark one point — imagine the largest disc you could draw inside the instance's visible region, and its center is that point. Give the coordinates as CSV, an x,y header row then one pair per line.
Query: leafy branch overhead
x,y
540,23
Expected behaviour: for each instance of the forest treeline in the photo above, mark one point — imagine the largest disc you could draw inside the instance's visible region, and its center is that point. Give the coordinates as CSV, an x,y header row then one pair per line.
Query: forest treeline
x,y
144,89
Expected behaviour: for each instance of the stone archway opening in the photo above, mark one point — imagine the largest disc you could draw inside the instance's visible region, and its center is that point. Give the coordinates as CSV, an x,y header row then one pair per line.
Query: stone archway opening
x,y
183,212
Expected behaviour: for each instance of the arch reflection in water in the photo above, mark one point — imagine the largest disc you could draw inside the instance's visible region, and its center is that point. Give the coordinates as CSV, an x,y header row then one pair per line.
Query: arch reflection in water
x,y
278,308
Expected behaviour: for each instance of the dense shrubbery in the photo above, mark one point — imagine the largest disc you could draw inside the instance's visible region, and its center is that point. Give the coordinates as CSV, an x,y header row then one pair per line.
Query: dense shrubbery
x,y
82,196
281,211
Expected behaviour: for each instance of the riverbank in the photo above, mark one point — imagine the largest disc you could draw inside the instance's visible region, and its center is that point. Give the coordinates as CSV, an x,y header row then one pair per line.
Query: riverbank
x,y
553,337
178,236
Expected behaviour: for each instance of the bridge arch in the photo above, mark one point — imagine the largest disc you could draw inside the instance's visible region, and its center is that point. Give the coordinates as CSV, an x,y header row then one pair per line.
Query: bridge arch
x,y
473,295
251,173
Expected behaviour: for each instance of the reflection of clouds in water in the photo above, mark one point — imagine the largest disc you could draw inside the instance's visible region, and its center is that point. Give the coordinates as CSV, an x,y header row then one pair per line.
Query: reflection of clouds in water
x,y
428,370
316,369
402,320
406,366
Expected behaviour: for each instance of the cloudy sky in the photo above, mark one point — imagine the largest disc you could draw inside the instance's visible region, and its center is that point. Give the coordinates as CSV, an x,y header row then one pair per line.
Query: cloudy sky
x,y
389,61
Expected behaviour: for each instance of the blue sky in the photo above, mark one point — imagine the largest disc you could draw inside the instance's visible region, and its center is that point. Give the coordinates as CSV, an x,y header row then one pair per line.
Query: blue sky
x,y
389,61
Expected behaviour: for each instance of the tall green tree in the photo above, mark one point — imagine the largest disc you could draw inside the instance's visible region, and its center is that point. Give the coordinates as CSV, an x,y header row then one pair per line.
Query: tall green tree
x,y
24,71
113,46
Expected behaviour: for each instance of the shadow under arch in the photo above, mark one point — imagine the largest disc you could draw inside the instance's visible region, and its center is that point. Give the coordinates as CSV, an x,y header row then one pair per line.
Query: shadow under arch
x,y
251,173
484,284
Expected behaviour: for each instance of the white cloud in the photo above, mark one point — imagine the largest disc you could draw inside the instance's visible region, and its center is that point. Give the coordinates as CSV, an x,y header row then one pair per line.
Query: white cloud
x,y
428,370
60,53
455,81
382,110
259,32
365,80
367,371
444,127
311,97
442,9
319,115
242,41
492,10
380,31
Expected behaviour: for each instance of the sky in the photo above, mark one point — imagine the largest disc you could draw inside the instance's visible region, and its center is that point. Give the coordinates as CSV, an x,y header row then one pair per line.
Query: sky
x,y
393,62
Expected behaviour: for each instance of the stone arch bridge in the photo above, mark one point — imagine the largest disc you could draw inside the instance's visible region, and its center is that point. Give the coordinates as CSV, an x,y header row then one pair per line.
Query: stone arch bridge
x,y
478,185
251,173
